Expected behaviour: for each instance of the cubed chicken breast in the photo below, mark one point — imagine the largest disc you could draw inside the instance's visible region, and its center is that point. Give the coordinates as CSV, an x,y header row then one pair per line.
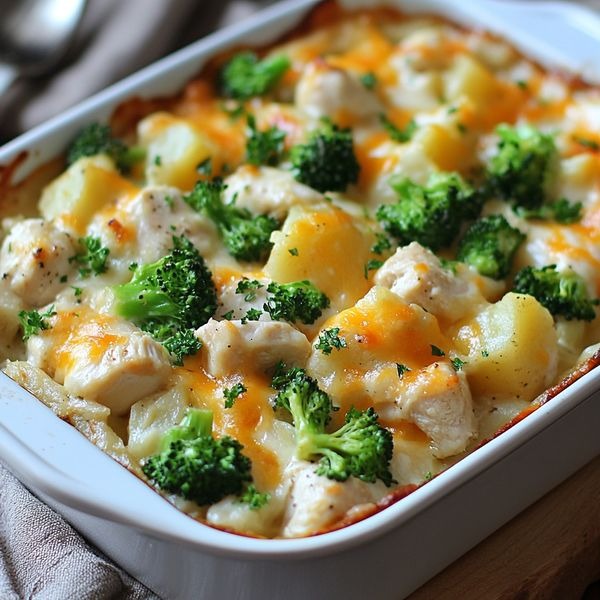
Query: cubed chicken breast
x,y
237,304
158,213
34,260
231,345
101,358
267,190
315,502
326,91
438,400
416,275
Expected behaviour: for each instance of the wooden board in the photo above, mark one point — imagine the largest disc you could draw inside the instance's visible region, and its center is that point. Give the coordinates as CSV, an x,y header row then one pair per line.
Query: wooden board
x,y
550,551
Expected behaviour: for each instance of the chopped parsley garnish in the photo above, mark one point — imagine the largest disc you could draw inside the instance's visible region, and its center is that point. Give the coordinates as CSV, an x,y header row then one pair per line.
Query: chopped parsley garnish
x,y
293,251
435,351
77,291
248,287
372,265
93,259
233,393
330,339
485,353
369,80
382,244
33,321
205,167
158,160
397,134
587,143
402,369
253,314
457,363
228,315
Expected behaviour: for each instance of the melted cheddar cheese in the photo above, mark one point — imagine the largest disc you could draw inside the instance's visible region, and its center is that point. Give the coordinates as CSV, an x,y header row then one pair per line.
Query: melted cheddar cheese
x,y
442,353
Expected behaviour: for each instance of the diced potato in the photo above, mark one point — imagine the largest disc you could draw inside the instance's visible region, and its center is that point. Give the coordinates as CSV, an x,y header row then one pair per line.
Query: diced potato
x,y
175,148
511,348
447,146
327,246
468,77
85,187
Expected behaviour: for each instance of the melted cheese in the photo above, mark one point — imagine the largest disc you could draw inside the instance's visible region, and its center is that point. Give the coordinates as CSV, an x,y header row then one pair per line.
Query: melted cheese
x,y
444,355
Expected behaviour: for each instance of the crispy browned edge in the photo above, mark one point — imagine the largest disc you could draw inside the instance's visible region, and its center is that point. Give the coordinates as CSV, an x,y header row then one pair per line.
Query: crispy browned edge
x,y
123,122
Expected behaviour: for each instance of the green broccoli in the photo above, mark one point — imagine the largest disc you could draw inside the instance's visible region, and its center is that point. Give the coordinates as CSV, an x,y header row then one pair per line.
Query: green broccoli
x,y
431,215
246,236
561,211
520,171
196,466
97,139
490,245
295,301
360,448
264,147
326,162
563,294
170,298
245,76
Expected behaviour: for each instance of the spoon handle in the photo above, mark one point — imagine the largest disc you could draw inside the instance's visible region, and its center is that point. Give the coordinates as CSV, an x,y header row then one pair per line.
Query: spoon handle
x,y
7,76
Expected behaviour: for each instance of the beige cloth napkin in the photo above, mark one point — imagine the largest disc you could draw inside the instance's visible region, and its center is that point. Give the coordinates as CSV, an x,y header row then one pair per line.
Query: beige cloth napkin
x,y
41,556
115,38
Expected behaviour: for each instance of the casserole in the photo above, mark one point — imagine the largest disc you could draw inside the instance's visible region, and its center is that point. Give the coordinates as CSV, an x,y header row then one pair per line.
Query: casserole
x,y
346,537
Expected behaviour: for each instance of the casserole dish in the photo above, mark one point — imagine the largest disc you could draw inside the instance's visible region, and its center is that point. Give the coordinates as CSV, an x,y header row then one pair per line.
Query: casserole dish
x,y
329,555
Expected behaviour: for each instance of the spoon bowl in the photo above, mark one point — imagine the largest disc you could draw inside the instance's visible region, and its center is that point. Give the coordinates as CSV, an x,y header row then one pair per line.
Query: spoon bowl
x,y
34,36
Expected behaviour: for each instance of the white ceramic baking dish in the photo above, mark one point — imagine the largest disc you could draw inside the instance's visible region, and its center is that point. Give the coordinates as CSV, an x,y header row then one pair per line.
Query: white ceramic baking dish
x,y
392,552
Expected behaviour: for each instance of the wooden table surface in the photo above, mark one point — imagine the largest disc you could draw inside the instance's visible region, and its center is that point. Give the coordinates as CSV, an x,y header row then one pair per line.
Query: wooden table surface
x,y
550,551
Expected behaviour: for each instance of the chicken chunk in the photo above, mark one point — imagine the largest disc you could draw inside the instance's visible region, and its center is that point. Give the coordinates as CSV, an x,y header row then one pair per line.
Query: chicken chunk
x,y
100,358
237,304
325,91
34,260
438,400
417,276
157,213
316,502
229,345
266,190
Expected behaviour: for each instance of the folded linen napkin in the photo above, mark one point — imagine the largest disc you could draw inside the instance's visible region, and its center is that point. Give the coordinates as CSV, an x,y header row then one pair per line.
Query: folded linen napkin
x,y
114,39
41,556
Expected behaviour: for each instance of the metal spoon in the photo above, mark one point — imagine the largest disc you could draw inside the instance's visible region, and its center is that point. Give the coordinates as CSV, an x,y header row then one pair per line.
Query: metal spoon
x,y
34,36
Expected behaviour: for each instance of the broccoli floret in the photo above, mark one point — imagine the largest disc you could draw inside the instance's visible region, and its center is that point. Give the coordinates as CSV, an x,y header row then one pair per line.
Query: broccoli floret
x,y
326,162
561,211
245,76
520,170
246,236
196,466
170,298
360,448
490,245
264,147
295,301
431,214
97,139
563,294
